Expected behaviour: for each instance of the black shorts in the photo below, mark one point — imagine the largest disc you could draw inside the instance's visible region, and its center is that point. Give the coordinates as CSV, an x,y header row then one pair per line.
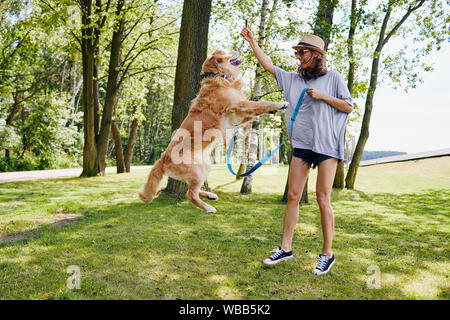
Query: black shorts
x,y
310,157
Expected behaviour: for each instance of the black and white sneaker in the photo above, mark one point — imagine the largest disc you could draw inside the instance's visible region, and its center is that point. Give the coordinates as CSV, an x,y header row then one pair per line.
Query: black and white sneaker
x,y
324,264
278,255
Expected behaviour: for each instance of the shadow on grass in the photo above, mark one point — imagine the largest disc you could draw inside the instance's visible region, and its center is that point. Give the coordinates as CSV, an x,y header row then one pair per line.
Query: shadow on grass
x,y
170,250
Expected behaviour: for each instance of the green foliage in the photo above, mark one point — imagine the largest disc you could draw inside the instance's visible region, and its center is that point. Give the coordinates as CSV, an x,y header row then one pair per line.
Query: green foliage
x,y
29,161
26,163
8,136
40,62
41,66
228,18
48,129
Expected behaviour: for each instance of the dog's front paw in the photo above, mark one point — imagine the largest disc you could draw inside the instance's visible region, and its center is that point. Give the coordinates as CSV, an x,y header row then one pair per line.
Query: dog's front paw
x,y
280,106
283,105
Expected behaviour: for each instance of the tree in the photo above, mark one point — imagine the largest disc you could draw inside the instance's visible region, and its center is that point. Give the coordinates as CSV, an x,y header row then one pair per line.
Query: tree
x,y
246,187
385,33
96,131
138,89
339,179
120,32
32,66
323,23
192,51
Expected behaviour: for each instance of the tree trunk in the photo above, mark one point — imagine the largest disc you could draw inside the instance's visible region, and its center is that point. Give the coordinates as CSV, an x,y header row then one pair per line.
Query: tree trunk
x,y
120,163
192,51
246,187
242,166
364,134
322,28
324,20
339,179
96,132
130,144
9,121
88,50
351,55
112,89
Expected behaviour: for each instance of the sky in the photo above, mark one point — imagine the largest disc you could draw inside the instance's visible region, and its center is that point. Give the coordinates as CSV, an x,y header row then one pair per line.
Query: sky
x,y
418,120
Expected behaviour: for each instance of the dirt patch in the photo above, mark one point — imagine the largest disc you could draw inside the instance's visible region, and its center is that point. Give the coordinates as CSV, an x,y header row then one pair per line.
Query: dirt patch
x,y
63,219
57,220
15,237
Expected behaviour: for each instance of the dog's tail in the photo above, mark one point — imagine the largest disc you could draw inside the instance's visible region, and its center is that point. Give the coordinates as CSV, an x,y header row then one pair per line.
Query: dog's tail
x,y
148,191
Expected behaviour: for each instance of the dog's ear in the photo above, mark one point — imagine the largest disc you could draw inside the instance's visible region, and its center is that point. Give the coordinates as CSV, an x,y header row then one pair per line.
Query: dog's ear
x,y
210,64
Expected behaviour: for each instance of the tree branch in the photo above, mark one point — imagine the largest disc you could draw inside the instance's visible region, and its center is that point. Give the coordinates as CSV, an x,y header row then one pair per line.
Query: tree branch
x,y
410,10
5,59
149,69
270,92
64,20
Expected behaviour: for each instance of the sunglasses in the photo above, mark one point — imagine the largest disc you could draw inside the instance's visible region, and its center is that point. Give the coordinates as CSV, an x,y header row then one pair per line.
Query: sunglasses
x,y
301,52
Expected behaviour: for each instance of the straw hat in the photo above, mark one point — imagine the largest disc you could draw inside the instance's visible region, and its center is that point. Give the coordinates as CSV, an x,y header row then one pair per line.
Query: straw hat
x,y
310,41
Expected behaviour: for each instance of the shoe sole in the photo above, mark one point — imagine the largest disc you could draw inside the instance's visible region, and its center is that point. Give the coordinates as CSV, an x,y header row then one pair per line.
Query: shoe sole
x,y
269,262
319,273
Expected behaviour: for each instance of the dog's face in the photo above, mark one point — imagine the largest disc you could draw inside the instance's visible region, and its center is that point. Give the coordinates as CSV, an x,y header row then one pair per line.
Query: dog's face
x,y
222,64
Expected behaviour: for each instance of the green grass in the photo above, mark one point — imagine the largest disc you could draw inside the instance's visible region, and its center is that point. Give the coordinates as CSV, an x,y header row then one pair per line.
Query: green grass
x,y
397,218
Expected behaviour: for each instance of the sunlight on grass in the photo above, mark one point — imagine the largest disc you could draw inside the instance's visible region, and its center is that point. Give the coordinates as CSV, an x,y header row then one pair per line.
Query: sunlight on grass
x,y
397,218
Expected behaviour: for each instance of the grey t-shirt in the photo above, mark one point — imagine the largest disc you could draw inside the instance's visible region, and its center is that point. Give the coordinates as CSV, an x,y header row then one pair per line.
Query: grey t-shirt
x,y
319,126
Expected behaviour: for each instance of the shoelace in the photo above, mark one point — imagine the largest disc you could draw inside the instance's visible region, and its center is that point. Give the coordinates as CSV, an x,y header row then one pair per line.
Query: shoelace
x,y
278,253
323,259
275,250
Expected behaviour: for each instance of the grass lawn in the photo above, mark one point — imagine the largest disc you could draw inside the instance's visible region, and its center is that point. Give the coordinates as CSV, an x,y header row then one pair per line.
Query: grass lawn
x,y
396,220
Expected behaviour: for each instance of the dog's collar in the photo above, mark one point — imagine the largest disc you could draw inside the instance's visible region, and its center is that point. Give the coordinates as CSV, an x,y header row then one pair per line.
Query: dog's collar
x,y
212,75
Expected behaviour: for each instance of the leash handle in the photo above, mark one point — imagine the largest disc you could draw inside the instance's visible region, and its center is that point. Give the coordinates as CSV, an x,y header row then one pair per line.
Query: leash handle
x,y
261,162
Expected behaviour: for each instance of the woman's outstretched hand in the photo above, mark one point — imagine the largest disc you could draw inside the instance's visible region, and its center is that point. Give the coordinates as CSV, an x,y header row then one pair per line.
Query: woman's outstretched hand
x,y
264,60
247,35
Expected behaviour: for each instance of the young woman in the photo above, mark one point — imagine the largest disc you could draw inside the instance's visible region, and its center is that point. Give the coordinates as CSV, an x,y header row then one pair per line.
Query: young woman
x,y
317,136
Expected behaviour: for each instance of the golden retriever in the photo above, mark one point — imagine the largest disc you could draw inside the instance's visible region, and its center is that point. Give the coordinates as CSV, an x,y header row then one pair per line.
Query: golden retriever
x,y
220,105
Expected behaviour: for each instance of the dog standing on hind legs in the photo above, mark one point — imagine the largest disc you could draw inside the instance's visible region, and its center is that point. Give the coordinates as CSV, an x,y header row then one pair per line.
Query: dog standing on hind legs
x,y
219,106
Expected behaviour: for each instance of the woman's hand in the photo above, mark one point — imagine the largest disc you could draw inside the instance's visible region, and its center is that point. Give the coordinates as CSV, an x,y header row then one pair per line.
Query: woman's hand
x,y
339,104
263,59
316,94
247,35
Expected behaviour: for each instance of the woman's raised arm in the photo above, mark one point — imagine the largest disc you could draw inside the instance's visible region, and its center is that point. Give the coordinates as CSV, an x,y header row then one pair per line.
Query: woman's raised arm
x,y
263,59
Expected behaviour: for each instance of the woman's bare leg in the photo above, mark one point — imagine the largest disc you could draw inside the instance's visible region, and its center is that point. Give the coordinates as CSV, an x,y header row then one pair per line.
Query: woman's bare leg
x,y
298,173
324,185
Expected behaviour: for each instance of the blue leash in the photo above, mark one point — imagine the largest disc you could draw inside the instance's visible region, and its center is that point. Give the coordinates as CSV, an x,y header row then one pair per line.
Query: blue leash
x,y
261,162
